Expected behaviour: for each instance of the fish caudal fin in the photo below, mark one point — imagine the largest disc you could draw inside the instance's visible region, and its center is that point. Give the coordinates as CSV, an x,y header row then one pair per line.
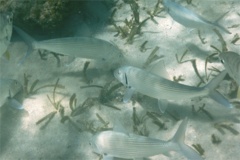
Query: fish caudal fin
x,y
178,141
215,95
30,50
216,23
28,39
218,97
215,81
14,104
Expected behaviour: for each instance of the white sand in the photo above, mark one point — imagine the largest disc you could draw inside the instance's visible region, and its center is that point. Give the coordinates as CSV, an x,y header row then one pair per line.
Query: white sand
x,y
23,139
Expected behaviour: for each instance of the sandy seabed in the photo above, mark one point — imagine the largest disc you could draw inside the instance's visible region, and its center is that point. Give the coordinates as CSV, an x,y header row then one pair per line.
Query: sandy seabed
x,y
23,139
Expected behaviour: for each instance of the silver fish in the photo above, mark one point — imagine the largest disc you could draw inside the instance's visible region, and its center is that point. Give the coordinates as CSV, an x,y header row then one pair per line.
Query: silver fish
x,y
190,19
155,86
231,62
117,144
5,31
10,88
83,47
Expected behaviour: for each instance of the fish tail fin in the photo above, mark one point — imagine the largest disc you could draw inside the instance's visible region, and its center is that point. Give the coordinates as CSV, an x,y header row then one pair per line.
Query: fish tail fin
x,y
14,104
180,146
216,23
28,39
215,95
29,51
218,97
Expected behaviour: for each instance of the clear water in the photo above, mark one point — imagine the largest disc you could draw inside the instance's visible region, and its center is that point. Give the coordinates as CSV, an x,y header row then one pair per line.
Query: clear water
x,y
68,99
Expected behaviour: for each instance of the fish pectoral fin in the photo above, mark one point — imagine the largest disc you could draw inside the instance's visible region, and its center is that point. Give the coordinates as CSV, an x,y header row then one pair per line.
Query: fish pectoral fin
x,y
118,127
162,105
158,67
128,94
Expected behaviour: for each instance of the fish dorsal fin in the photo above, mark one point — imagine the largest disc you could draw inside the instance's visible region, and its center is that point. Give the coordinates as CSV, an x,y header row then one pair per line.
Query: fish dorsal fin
x,y
158,67
118,127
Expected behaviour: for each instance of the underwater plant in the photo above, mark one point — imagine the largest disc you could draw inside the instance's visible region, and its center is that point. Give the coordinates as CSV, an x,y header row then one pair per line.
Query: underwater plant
x,y
57,106
106,94
33,90
202,109
199,148
227,126
215,139
139,123
194,65
132,27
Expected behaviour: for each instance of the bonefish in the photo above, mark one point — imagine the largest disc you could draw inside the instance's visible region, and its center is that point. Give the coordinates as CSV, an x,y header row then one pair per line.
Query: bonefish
x,y
112,144
83,47
155,86
190,19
